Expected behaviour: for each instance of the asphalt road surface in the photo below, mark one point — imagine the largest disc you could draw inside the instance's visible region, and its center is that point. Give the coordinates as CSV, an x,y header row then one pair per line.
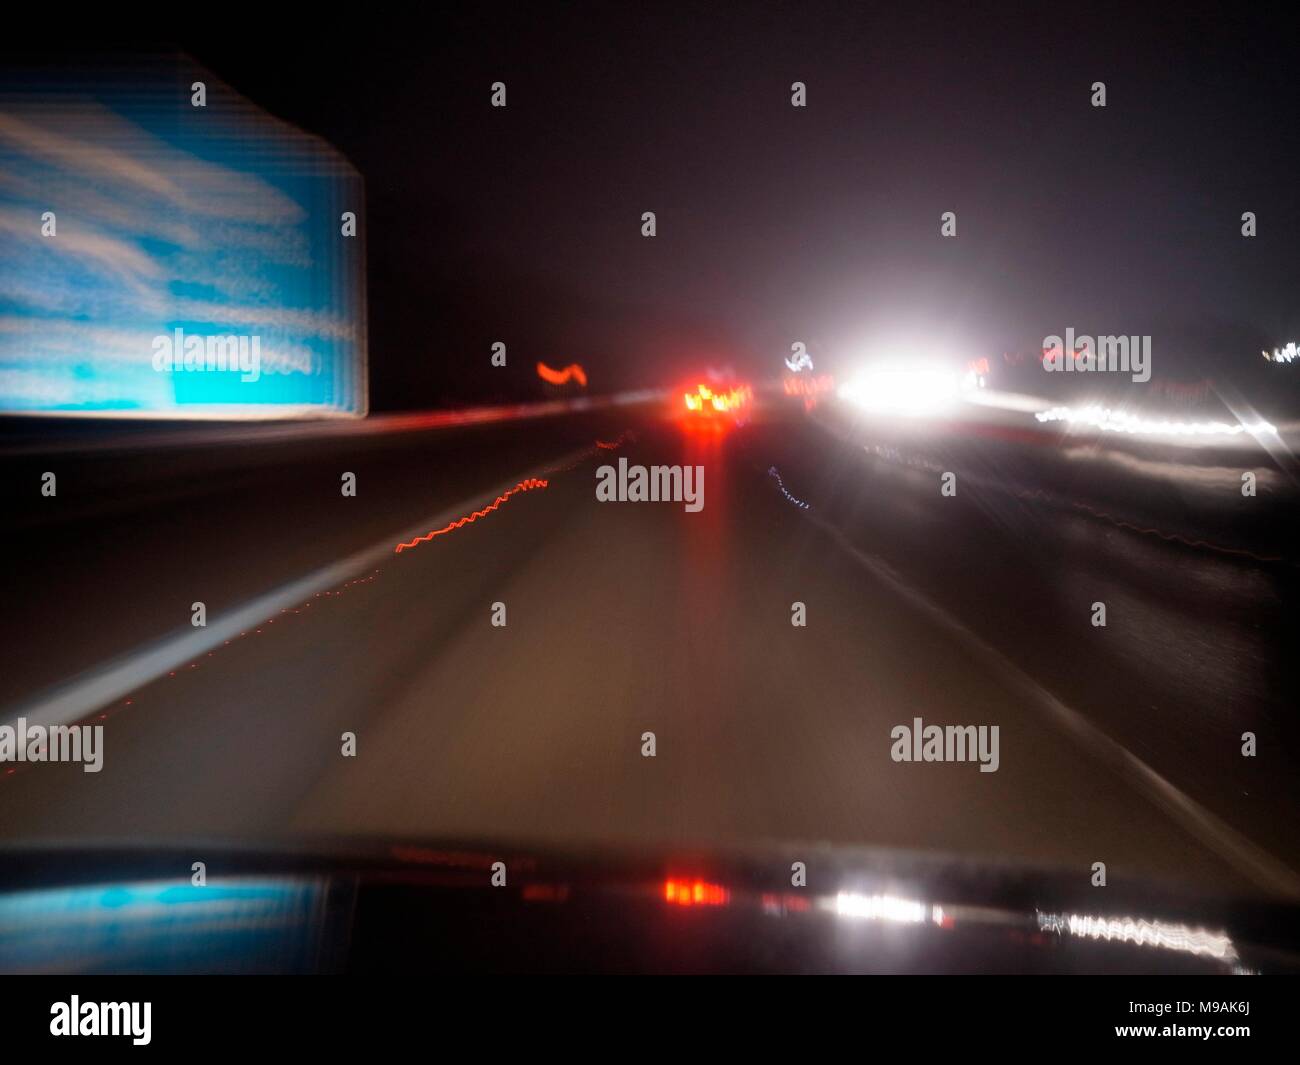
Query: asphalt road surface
x,y
1118,745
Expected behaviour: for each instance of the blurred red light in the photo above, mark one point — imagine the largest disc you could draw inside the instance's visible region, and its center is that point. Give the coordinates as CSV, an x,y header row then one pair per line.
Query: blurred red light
x,y
695,893
704,400
572,372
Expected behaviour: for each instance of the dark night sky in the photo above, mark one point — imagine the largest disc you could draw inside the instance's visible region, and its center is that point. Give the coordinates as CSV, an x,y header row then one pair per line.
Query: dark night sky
x,y
820,224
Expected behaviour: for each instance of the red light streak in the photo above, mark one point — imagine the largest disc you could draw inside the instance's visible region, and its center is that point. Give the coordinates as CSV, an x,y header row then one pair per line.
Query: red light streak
x,y
695,893
809,388
545,892
705,401
559,377
526,485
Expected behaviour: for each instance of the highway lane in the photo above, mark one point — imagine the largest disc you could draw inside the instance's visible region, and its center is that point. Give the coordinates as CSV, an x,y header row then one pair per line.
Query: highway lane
x,y
624,618
1197,646
152,520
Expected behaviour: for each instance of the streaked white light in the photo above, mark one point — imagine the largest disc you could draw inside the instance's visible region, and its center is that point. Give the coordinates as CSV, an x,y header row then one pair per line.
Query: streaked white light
x,y
1123,422
880,907
1142,933
902,390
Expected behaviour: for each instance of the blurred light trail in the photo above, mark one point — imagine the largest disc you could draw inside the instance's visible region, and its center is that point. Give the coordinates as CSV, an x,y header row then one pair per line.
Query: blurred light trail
x,y
572,372
1143,933
1015,402
880,908
695,893
617,442
772,472
902,390
704,400
526,485
127,438
577,460
1113,421
774,905
809,388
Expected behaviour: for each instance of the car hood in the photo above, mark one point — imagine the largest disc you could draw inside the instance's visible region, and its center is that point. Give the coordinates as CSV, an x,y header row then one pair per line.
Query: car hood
x,y
348,906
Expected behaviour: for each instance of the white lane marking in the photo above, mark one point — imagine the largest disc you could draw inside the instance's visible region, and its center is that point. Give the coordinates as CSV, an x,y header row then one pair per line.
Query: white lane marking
x,y
104,684
1246,856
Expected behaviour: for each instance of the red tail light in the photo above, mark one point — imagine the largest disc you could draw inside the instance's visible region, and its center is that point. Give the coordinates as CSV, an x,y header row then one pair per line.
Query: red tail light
x,y
695,893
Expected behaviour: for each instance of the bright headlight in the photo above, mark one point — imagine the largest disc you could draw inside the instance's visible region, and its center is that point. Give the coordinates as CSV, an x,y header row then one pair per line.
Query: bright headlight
x,y
902,390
